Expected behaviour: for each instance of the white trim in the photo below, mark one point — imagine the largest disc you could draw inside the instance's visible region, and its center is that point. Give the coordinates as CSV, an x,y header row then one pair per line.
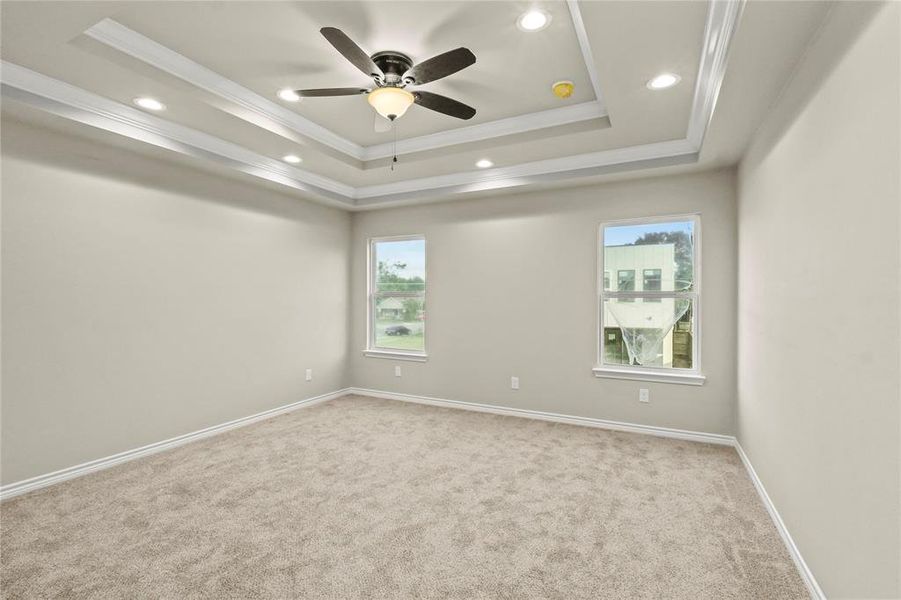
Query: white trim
x,y
73,103
680,434
41,481
140,47
649,375
426,194
517,174
63,99
585,46
137,46
372,350
816,593
85,107
722,21
544,119
691,376
396,355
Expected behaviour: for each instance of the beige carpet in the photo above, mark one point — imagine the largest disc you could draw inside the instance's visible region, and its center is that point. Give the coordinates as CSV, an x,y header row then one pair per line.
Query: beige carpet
x,y
365,498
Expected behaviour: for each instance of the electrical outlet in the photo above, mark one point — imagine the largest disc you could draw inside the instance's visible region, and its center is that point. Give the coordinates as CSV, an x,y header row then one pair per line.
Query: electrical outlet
x,y
644,395
514,383
309,374
397,371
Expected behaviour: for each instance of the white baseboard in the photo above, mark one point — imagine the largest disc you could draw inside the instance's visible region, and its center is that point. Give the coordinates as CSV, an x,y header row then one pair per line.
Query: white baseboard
x,y
42,481
711,438
816,593
680,434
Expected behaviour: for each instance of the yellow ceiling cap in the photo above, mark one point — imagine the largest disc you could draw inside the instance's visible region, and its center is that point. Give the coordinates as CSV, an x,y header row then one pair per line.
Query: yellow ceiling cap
x,y
563,89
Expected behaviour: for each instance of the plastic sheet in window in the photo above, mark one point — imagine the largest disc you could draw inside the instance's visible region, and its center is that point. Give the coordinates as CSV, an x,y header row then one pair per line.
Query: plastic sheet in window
x,y
644,325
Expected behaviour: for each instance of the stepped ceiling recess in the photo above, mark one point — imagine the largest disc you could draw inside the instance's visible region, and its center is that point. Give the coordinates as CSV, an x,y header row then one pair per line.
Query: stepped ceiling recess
x,y
218,70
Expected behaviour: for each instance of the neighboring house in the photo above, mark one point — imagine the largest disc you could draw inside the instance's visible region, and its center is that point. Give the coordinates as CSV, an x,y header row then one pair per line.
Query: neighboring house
x,y
390,308
639,268
650,267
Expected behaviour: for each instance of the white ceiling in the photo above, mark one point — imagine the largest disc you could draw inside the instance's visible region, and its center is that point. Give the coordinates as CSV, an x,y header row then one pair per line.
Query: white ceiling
x,y
218,66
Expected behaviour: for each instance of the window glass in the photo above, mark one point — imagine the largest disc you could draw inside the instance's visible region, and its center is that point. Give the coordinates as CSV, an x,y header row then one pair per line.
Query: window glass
x,y
651,282
397,302
400,323
650,322
668,247
400,266
648,334
625,282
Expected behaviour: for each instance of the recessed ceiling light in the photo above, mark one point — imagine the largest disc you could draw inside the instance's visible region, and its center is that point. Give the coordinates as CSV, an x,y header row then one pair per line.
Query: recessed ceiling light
x,y
533,20
150,103
484,163
288,95
663,81
291,158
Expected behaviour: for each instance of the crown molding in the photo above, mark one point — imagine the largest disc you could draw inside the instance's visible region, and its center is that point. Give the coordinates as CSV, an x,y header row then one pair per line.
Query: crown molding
x,y
143,48
71,102
579,165
555,117
76,104
722,21
575,14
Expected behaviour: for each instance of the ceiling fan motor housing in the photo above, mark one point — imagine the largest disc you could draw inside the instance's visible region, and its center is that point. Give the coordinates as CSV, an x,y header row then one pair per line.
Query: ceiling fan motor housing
x,y
393,65
392,71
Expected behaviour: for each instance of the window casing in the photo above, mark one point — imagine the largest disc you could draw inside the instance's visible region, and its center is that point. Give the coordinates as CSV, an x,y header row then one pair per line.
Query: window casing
x,y
652,333
396,300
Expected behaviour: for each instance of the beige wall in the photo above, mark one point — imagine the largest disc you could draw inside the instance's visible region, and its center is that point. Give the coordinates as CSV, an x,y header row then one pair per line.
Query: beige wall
x,y
819,324
143,300
512,291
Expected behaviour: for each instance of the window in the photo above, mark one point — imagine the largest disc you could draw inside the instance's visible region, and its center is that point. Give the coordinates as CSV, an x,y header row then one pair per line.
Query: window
x,y
397,297
625,282
651,282
652,332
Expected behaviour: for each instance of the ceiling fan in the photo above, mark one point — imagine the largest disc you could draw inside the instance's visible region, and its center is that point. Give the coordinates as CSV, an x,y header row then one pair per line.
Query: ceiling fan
x,y
392,72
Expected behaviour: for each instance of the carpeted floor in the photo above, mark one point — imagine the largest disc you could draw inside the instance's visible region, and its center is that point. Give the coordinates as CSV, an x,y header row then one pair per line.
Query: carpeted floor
x,y
366,498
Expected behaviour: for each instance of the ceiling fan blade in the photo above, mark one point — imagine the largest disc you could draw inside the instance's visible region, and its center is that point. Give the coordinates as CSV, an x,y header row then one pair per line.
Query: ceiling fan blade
x,y
323,92
440,66
351,52
443,104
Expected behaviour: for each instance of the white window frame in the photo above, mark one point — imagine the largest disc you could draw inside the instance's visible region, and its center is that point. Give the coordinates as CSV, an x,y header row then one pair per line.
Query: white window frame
x,y
372,350
691,376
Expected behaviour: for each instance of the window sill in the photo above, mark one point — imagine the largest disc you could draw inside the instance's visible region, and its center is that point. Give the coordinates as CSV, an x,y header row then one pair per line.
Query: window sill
x,y
658,376
397,355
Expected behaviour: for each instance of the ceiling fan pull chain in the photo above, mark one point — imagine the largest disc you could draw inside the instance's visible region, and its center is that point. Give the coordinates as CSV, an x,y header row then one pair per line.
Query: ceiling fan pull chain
x,y
394,128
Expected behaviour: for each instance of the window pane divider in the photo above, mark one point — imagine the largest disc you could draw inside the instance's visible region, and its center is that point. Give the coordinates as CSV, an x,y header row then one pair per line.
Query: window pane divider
x,y
398,294
373,349
609,273
649,294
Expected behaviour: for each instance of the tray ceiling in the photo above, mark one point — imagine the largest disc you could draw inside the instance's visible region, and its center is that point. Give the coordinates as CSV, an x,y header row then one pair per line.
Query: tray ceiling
x,y
218,67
